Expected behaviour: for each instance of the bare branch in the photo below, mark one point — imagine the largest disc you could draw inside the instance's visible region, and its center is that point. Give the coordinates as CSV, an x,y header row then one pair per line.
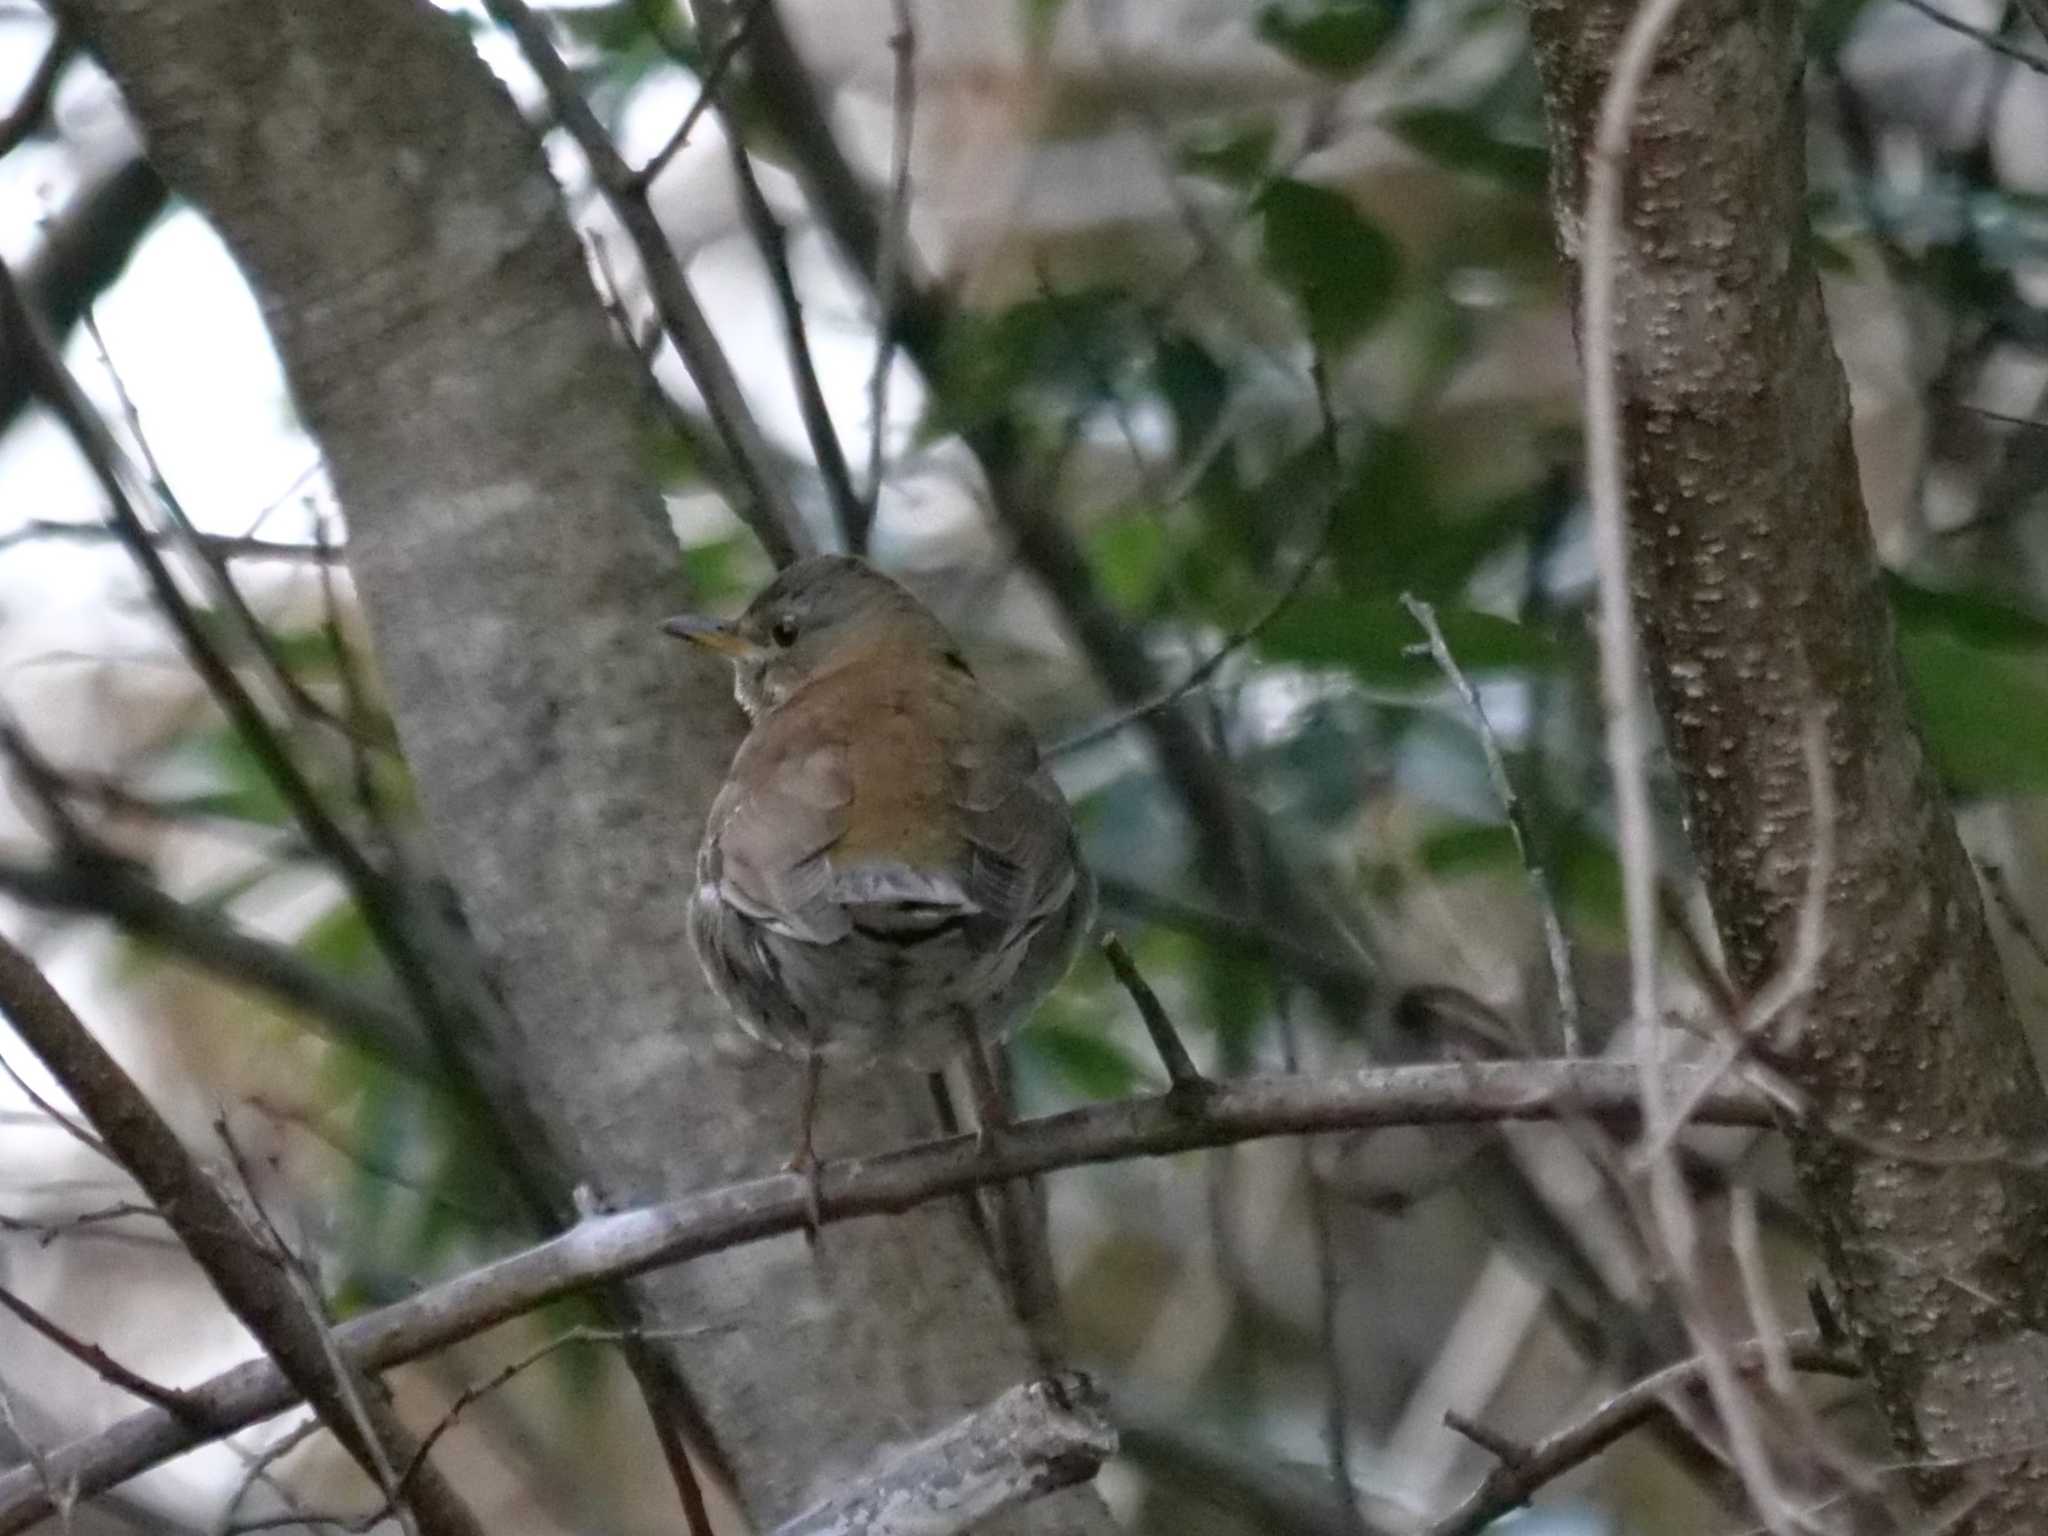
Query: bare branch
x,y
92,1357
680,314
1514,1481
1180,1067
34,100
216,1235
609,1247
1991,40
1511,805
350,1012
217,545
1032,1440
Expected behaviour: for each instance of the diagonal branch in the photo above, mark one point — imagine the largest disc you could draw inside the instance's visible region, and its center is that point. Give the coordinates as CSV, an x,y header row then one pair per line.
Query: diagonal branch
x,y
1032,1440
612,1247
220,1240
774,517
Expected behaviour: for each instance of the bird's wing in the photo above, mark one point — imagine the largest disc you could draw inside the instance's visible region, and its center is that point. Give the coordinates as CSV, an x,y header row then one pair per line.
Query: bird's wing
x,y
1020,856
773,826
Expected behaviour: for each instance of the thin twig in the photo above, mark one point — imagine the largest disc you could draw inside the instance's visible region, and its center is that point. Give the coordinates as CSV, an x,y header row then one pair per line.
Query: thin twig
x,y
93,1357
681,315
1336,1399
1511,1484
1786,989
611,1247
1511,805
47,1229
55,385
1181,1071
34,101
214,1233
1205,669
219,545
1991,40
851,512
722,58
895,236
257,1470
1034,1439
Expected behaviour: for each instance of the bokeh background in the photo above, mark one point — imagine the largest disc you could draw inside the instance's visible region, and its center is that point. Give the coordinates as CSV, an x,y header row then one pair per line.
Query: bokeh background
x,y
1273,291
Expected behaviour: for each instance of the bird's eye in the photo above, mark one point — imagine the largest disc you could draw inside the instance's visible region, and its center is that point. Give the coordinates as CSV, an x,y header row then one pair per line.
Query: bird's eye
x,y
783,631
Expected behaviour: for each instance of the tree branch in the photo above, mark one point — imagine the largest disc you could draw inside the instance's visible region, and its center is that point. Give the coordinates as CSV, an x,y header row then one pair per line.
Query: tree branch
x,y
1515,1479
775,517
1045,1435
632,1242
224,1245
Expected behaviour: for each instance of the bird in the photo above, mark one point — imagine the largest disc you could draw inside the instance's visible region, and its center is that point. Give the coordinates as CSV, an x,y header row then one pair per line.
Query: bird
x,y
889,872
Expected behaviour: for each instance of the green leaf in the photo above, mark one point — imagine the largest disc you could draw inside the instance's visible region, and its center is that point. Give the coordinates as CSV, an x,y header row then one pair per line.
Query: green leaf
x,y
1985,714
1460,140
1336,39
1964,617
1194,386
1236,157
1039,20
1384,516
1341,269
1130,557
1375,638
1086,1063
340,940
1468,848
1059,347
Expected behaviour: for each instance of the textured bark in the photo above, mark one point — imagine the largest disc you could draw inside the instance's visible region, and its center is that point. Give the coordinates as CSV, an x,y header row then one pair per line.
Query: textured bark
x,y
1757,589
442,340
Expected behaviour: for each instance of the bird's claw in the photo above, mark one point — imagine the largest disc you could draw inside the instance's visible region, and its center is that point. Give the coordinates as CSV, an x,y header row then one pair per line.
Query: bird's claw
x,y
805,1165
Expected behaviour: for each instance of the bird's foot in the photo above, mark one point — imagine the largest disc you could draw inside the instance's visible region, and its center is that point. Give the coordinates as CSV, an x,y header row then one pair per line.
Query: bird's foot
x,y
805,1165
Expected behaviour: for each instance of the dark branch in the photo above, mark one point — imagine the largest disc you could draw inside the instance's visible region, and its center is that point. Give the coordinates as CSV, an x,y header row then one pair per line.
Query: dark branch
x,y
611,1247
249,1278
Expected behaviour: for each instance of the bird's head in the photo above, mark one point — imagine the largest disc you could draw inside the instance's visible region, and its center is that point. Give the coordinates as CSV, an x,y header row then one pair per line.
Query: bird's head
x,y
816,616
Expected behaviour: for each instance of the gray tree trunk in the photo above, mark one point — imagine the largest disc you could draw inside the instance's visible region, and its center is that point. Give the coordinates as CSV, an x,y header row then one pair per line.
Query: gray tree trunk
x,y
444,344
1758,591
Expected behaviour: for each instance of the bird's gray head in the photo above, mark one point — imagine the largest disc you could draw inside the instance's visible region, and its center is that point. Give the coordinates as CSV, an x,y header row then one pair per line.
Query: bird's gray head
x,y
817,615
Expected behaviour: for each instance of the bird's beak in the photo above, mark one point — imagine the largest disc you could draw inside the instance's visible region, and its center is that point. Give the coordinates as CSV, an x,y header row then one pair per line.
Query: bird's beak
x,y
710,634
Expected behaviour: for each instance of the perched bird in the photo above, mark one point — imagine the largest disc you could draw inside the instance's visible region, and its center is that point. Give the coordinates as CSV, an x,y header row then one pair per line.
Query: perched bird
x,y
889,871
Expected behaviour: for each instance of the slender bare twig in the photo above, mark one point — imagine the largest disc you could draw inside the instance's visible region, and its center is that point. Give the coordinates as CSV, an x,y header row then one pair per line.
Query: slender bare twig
x,y
889,257
1336,1396
1283,949
1181,1070
221,546
34,101
680,313
350,1013
723,56
1784,990
1511,805
54,384
216,1235
1620,665
1206,668
1991,40
47,1229
257,1470
610,1247
1032,1440
1514,1481
852,513
61,1497
92,1356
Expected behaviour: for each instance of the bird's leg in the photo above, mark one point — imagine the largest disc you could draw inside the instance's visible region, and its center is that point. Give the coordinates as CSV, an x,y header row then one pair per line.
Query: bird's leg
x,y
1022,1238
805,1160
